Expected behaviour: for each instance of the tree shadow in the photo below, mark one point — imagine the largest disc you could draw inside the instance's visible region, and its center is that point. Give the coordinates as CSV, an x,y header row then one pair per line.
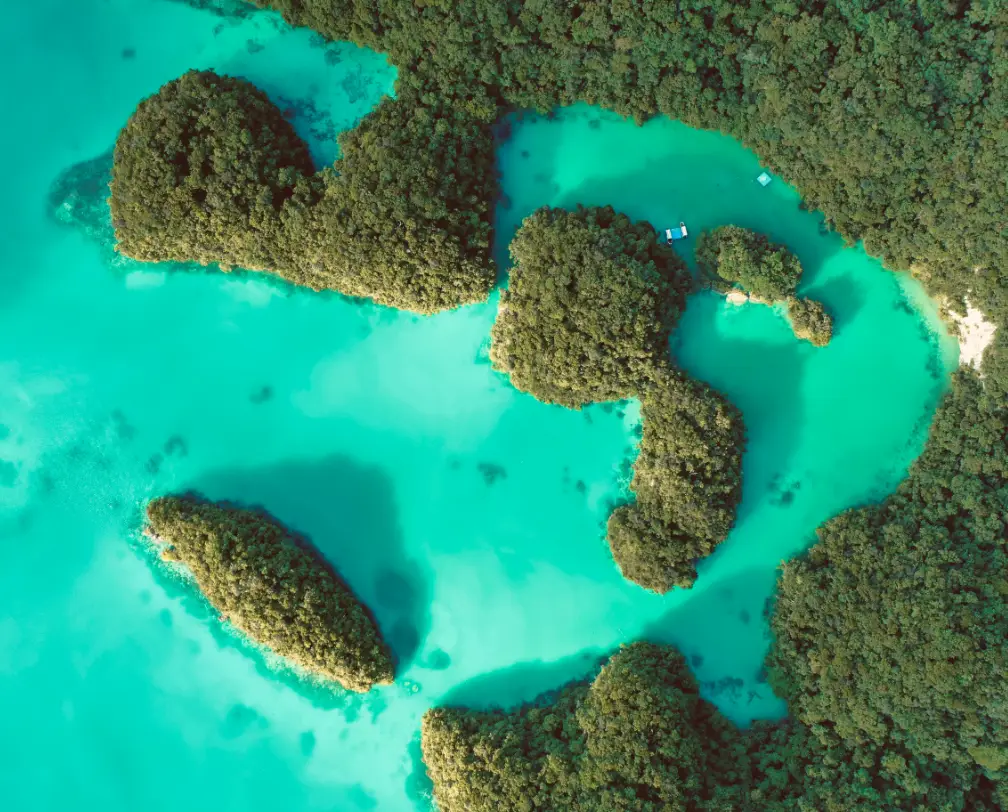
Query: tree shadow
x,y
530,682
348,512
724,633
228,9
842,297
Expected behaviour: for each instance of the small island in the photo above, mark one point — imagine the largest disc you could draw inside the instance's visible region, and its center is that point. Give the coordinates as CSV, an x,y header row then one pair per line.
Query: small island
x,y
274,587
809,320
586,317
744,264
588,309
208,170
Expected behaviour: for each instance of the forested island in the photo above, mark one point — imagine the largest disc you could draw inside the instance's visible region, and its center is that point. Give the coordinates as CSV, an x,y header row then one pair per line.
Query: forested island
x,y
273,586
731,258
886,117
208,170
591,301
687,482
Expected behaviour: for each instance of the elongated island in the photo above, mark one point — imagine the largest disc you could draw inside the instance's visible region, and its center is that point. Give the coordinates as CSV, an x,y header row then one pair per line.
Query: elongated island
x,y
275,588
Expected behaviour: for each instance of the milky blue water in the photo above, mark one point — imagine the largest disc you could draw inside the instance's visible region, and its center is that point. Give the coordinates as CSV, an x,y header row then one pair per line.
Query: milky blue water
x,y
470,517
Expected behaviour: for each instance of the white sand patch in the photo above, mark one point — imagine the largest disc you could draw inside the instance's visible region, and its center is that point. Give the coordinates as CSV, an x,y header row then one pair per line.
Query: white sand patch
x,y
739,297
975,333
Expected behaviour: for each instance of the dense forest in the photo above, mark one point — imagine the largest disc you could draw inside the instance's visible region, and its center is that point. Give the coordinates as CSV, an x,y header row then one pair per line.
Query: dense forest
x,y
890,634
889,647
590,302
208,170
274,587
638,738
201,171
586,317
729,255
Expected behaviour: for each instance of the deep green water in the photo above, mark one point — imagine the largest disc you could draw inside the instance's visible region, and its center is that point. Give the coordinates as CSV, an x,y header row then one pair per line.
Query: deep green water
x,y
469,516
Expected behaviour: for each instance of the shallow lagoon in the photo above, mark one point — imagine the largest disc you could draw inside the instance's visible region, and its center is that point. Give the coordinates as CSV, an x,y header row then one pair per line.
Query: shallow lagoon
x,y
469,516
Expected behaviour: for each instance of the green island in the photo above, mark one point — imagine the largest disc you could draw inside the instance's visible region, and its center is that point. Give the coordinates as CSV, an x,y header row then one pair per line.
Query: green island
x,y
687,480
207,170
274,587
732,259
809,320
888,646
591,301
889,633
830,96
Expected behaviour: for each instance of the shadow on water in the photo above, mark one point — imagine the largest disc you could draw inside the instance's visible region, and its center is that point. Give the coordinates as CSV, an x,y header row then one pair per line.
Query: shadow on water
x,y
761,378
532,681
842,297
229,9
348,512
419,787
735,612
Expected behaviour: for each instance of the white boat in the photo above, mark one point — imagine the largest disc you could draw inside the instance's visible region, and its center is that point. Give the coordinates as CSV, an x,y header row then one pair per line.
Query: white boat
x,y
673,234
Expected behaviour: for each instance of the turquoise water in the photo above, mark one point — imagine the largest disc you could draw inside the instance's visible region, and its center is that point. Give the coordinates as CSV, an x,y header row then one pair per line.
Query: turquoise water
x,y
469,516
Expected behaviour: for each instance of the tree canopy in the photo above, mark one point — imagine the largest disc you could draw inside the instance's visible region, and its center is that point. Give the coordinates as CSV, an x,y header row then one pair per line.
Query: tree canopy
x,y
201,171
208,170
588,309
274,587
687,482
890,633
730,255
810,321
405,214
